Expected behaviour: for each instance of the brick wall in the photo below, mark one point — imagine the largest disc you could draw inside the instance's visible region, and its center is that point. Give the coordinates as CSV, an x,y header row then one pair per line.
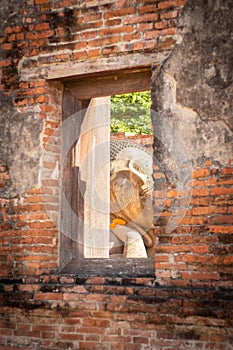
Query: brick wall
x,y
199,249
42,35
187,304
52,312
145,140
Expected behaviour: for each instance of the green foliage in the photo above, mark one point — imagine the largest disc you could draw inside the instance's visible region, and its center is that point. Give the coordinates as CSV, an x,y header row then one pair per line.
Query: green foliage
x,y
131,113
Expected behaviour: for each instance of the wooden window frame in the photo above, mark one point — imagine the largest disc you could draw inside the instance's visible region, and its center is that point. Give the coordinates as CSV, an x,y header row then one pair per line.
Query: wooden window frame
x,y
77,93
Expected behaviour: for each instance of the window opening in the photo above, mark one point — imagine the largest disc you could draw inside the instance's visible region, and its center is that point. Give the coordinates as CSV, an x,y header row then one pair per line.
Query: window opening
x,y
131,183
109,165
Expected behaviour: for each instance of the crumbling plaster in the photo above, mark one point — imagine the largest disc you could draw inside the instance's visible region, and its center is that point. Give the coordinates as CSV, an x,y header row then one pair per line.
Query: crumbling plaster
x,y
192,91
20,147
20,133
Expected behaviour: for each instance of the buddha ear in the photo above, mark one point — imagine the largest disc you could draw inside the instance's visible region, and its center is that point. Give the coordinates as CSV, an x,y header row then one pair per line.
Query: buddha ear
x,y
133,169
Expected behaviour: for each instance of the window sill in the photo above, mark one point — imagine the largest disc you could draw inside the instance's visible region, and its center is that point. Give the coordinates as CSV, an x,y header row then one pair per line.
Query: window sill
x,y
122,267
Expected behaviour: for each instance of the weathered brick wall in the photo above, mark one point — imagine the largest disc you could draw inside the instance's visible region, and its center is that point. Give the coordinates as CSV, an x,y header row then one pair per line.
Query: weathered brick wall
x,y
192,94
187,305
36,39
52,312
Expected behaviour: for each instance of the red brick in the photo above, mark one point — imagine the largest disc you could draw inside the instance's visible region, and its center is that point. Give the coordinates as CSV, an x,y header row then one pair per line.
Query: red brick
x,y
38,2
92,337
92,329
223,200
79,55
49,250
201,201
200,192
193,220
33,84
42,26
14,29
34,199
228,260
151,17
168,266
40,268
123,3
40,99
72,337
71,296
164,24
162,258
166,4
201,173
221,191
170,248
208,210
170,14
116,30
89,35
200,249
138,46
61,31
124,346
72,321
48,335
147,9
203,183
20,36
200,275
49,165
218,337
104,41
94,53
22,331
47,108
64,3
4,331
227,171
228,181
36,207
29,287
116,338
172,193
113,22
96,280
163,274
7,46
93,17
96,322
33,240
142,27
40,35
222,219
108,50
11,37
79,46
41,224
140,340
119,13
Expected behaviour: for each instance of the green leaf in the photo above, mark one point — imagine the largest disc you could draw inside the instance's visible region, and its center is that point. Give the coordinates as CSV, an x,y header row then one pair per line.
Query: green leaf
x,y
131,113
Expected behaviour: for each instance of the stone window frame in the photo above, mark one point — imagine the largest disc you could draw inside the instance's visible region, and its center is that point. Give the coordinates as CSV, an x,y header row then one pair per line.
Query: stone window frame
x,y
77,94
67,74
